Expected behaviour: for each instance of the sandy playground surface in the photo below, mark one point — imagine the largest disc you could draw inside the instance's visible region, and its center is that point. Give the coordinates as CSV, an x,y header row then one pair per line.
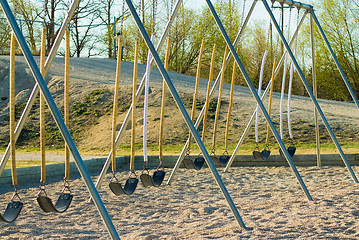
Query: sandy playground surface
x,y
269,200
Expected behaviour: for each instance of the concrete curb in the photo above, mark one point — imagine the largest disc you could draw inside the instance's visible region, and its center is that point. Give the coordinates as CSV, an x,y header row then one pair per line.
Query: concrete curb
x,y
95,165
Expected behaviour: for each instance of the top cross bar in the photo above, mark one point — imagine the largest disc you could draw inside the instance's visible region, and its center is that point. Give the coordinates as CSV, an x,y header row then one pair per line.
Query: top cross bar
x,y
294,4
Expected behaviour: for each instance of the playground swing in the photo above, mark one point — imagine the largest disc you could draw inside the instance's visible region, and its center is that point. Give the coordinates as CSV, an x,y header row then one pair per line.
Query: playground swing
x,y
266,151
215,158
223,159
159,174
64,200
198,162
291,149
131,182
157,178
14,207
257,154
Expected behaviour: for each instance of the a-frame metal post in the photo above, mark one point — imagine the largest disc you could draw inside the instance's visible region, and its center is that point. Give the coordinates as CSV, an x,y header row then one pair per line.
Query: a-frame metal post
x,y
138,94
257,98
184,113
201,114
311,95
59,120
280,63
35,91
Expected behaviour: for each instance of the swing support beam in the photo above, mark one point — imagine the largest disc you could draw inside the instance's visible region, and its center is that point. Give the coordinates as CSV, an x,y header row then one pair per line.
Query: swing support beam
x,y
309,91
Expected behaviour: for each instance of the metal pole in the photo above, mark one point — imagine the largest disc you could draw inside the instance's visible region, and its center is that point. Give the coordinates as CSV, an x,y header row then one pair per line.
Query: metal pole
x,y
315,91
184,113
306,85
201,114
259,102
138,94
335,58
230,161
35,90
59,120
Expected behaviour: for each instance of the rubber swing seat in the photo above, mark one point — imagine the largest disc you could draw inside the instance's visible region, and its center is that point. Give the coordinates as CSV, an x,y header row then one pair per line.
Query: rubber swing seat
x,y
197,163
257,154
12,211
265,154
61,205
291,150
223,159
128,189
153,181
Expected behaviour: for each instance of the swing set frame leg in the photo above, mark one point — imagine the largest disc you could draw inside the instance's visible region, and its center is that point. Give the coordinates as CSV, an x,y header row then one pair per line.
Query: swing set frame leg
x,y
59,120
36,89
309,91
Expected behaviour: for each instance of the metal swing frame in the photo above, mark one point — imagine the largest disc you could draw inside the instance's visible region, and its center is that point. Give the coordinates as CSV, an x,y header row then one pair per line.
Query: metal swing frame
x,y
313,94
79,163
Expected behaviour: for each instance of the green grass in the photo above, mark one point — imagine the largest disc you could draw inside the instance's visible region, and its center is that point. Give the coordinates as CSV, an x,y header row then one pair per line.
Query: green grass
x,y
28,163
245,149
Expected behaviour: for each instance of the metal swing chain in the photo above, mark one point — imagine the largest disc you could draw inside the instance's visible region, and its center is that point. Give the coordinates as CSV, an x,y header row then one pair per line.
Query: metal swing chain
x,y
169,17
123,18
278,40
243,10
154,17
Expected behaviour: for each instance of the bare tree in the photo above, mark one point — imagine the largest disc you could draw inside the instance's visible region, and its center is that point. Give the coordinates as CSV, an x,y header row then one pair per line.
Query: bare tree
x,y
83,22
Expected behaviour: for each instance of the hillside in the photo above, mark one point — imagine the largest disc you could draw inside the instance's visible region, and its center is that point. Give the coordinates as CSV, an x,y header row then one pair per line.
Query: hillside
x,y
91,96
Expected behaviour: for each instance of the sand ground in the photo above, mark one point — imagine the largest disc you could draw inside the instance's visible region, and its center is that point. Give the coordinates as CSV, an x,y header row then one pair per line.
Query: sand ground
x,y
269,200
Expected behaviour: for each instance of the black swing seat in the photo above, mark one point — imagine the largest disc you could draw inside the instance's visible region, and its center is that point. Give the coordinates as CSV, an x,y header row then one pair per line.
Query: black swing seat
x,y
196,164
223,159
61,205
147,180
153,181
291,150
257,154
128,189
12,211
265,154
158,177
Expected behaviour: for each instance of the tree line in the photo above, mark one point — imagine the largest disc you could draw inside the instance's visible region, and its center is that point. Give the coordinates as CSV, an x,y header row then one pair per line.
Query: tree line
x,y
95,22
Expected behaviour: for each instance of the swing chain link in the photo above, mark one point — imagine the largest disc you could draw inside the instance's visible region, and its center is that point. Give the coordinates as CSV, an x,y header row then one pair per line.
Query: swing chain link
x,y
66,186
145,168
42,191
16,194
113,177
132,172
